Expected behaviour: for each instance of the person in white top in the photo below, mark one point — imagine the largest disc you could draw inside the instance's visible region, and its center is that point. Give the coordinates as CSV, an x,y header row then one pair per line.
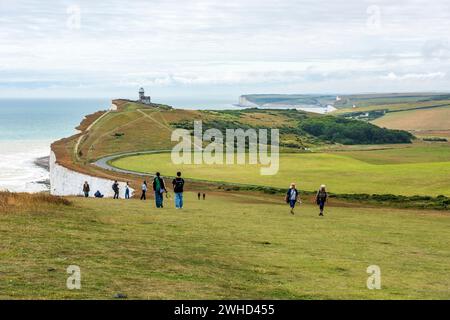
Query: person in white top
x,y
144,191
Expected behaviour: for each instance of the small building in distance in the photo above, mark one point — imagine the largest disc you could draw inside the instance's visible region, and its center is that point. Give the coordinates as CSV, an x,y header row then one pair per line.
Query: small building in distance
x,y
143,98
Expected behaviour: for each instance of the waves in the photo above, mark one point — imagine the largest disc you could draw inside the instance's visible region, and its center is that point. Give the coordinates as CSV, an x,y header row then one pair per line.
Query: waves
x,y
18,170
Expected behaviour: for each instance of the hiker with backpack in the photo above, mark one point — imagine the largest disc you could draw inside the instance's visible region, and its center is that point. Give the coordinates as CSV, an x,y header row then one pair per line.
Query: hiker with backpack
x,y
159,188
115,188
178,188
292,197
321,198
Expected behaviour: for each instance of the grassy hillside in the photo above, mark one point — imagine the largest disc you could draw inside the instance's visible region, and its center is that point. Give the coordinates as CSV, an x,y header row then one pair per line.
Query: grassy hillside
x,y
136,127
435,119
395,107
423,115
420,172
230,246
390,100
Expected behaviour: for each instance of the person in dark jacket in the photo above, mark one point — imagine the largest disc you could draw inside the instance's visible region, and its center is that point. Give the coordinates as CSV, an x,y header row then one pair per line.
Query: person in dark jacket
x,y
178,189
321,198
159,187
292,196
86,189
98,194
115,188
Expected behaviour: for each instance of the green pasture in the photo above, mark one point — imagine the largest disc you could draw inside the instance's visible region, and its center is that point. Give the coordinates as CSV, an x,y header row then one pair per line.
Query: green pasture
x,y
414,171
230,246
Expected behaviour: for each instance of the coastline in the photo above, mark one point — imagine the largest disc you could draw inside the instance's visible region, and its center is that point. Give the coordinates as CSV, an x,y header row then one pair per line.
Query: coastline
x,y
23,165
28,127
44,163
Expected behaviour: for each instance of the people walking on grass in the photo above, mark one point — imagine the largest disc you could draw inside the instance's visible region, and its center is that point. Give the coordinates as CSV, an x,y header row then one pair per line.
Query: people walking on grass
x,y
159,187
178,188
127,191
199,195
292,197
86,189
115,188
321,198
144,190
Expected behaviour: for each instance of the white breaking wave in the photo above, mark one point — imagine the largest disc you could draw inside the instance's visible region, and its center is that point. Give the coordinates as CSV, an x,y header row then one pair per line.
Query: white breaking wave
x,y
18,172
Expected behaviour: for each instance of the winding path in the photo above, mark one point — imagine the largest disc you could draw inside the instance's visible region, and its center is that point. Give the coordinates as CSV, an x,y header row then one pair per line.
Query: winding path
x,y
103,162
77,145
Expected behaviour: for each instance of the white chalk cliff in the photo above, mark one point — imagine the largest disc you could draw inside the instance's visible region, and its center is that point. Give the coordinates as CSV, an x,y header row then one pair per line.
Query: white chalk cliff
x,y
65,182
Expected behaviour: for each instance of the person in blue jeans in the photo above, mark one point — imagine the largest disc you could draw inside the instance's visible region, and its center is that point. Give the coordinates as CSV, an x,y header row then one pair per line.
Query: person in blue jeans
x,y
127,191
178,188
292,196
159,188
321,198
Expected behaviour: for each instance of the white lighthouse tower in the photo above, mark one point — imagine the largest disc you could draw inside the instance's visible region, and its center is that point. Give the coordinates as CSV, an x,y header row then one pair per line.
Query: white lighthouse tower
x,y
143,98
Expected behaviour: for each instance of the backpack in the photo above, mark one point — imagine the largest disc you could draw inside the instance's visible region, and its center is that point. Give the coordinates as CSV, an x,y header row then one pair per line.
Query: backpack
x,y
321,197
179,184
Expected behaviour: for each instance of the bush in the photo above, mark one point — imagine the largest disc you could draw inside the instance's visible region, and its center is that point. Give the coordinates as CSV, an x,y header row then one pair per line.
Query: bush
x,y
347,131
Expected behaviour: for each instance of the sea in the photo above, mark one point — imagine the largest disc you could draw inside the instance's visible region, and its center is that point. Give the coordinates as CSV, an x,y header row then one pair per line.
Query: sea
x,y
29,126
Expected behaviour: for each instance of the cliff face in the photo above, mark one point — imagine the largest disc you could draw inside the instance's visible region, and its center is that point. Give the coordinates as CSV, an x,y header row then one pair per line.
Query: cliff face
x,y
65,182
244,102
67,177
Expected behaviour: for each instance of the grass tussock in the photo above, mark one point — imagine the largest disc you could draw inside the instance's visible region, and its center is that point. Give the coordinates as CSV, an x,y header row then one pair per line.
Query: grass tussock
x,y
12,202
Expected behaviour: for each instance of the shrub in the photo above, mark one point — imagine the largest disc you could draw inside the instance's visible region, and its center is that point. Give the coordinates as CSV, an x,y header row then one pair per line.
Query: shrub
x,y
347,131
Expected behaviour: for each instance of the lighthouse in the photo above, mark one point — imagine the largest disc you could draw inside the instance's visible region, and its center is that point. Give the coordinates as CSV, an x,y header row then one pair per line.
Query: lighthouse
x,y
143,98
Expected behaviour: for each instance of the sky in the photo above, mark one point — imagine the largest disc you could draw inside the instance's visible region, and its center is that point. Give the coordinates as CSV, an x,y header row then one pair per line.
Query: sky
x,y
222,49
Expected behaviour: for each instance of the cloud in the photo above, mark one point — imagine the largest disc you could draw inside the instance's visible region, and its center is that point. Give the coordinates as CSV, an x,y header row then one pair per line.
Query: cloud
x,y
415,76
200,44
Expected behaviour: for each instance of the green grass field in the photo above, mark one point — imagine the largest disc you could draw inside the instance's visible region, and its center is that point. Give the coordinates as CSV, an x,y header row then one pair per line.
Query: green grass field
x,y
229,246
419,170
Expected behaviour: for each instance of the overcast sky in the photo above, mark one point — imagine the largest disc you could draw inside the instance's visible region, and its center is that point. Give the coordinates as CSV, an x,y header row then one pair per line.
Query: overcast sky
x,y
223,48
